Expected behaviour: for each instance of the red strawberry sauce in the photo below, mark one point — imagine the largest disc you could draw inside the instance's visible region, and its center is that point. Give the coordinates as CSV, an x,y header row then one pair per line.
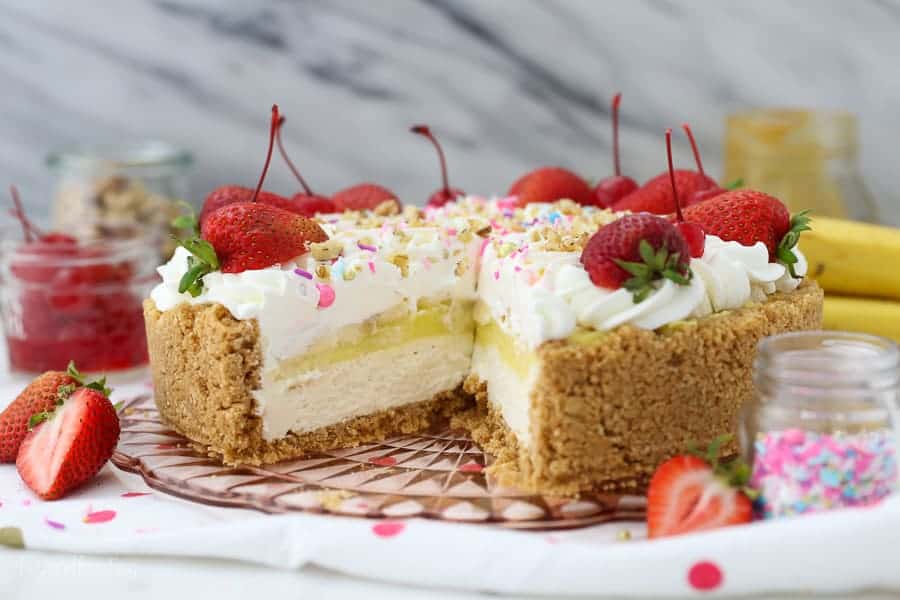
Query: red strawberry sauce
x,y
63,300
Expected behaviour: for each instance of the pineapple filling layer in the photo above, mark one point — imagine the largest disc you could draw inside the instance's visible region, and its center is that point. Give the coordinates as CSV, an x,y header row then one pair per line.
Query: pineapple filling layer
x,y
509,369
388,330
516,356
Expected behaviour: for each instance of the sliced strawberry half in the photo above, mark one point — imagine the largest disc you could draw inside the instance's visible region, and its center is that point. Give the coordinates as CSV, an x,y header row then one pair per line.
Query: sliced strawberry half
x,y
689,493
70,445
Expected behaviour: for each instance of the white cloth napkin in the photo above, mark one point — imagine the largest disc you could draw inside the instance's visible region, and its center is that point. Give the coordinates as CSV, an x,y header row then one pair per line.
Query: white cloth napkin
x,y
117,514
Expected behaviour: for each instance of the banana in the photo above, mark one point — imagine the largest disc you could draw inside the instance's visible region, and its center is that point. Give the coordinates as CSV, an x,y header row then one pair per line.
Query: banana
x,y
852,258
880,317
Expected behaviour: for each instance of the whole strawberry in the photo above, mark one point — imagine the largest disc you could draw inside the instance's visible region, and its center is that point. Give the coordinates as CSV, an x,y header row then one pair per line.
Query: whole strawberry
x,y
310,205
251,235
363,196
68,446
656,197
231,194
748,217
549,184
694,492
635,251
41,395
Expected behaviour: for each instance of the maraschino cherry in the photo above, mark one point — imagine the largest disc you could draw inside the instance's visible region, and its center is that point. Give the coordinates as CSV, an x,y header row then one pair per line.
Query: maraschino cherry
x,y
710,192
612,189
446,193
30,232
309,202
693,233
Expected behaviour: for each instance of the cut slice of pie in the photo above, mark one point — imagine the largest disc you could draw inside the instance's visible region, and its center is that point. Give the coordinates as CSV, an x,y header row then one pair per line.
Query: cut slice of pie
x,y
369,335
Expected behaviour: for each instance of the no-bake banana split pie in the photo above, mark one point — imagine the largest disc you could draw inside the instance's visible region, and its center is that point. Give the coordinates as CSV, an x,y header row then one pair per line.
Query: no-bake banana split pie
x,y
581,346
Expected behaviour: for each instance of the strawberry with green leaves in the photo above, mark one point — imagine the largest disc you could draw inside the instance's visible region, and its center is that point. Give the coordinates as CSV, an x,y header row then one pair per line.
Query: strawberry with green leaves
x,y
635,252
66,447
748,217
695,492
40,396
241,236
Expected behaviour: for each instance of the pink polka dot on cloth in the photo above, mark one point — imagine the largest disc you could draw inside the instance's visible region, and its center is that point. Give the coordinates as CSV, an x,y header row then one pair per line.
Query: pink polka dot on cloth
x,y
705,576
326,295
388,529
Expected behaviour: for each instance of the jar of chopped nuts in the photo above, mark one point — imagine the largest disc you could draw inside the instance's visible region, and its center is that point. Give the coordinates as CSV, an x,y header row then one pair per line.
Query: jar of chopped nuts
x,y
120,191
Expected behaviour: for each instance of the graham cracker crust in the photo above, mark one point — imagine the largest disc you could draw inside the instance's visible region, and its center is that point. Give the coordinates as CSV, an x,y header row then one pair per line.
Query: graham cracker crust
x,y
205,364
605,414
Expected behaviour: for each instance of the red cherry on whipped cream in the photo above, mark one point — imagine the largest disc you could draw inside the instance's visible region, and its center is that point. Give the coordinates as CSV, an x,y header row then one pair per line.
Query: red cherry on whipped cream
x,y
693,233
308,202
610,190
446,193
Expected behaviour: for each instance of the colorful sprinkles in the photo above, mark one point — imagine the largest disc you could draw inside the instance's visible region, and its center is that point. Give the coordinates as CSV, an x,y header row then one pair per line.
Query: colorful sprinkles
x,y
326,295
303,273
800,471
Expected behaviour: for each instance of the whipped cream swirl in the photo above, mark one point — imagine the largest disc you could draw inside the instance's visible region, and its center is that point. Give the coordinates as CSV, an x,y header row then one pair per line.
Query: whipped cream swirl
x,y
538,295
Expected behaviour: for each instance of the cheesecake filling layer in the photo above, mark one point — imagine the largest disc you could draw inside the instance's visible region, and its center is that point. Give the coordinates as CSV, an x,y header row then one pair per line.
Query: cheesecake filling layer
x,y
509,370
395,376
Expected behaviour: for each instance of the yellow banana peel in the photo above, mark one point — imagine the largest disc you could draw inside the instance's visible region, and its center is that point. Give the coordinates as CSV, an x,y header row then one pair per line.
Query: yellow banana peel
x,y
867,315
853,258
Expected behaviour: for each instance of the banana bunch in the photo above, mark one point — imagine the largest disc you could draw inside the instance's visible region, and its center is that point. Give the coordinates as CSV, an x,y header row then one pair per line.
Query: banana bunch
x,y
858,266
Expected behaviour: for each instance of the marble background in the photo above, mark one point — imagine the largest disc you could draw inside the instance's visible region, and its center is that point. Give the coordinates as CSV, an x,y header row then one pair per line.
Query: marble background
x,y
508,85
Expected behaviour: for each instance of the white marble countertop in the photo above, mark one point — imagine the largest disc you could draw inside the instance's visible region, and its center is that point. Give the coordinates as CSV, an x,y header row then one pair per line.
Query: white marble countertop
x,y
508,85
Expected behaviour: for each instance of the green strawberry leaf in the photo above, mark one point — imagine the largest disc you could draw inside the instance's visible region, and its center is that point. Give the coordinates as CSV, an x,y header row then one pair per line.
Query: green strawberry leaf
x,y
203,259
38,418
785,251
99,385
654,265
733,185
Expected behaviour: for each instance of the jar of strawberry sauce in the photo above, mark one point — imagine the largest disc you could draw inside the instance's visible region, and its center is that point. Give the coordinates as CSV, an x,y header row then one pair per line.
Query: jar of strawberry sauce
x,y
62,299
821,433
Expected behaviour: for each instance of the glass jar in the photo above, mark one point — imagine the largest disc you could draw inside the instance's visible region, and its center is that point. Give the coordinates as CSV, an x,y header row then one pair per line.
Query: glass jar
x,y
114,192
821,432
63,300
806,158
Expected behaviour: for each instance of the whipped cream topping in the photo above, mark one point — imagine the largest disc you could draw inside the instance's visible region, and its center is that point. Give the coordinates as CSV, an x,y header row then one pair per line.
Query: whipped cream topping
x,y
538,296
530,279
735,274
304,300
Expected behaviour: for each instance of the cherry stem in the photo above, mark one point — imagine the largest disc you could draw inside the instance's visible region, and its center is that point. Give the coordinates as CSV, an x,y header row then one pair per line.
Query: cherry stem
x,y
287,159
694,148
424,131
617,99
672,175
29,231
273,129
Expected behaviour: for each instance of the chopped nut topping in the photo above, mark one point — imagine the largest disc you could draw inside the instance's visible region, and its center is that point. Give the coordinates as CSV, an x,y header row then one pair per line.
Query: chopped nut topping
x,y
402,262
323,272
387,208
327,250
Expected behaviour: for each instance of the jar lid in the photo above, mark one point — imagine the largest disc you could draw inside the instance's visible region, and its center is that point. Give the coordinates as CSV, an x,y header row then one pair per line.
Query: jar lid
x,y
147,154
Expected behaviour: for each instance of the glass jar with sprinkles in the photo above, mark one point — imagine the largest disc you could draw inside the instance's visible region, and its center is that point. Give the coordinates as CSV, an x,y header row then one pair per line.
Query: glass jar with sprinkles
x,y
821,431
